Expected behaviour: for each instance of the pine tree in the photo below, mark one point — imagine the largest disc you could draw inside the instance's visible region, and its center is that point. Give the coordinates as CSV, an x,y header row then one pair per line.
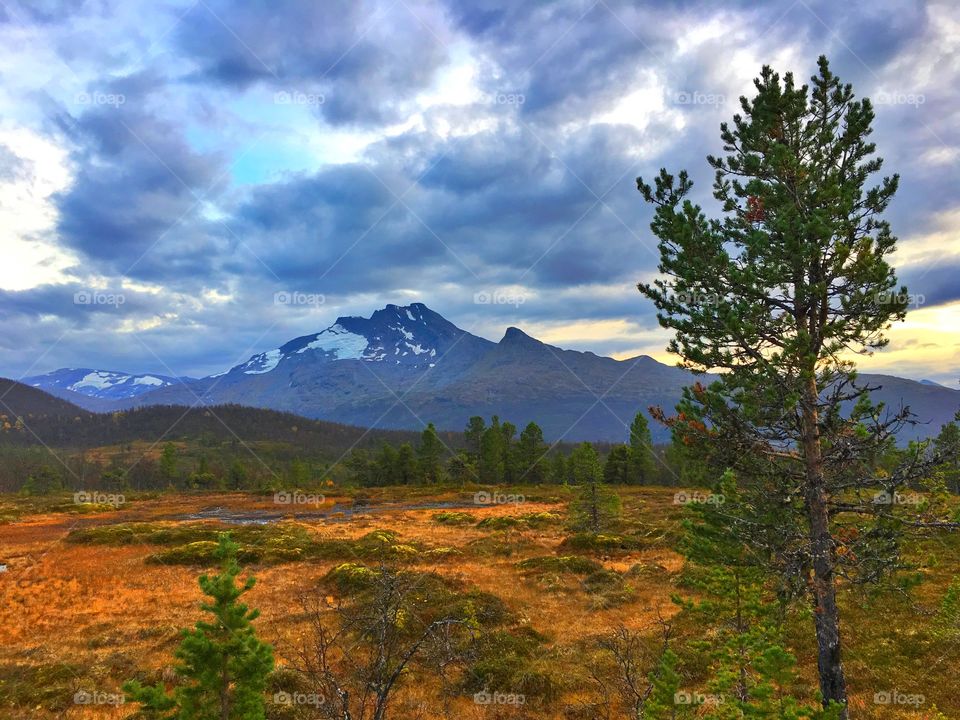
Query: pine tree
x,y
237,476
530,453
491,453
388,468
42,482
776,294
429,453
596,507
641,451
947,444
223,665
662,703
473,435
406,465
168,462
558,468
687,464
751,671
300,475
617,469
508,451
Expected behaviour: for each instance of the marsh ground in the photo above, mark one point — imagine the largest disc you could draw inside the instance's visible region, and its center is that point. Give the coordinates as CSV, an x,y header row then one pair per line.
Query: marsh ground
x,y
83,616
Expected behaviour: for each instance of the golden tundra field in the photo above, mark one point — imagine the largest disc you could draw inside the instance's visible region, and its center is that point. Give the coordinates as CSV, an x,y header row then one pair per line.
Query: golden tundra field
x,y
86,603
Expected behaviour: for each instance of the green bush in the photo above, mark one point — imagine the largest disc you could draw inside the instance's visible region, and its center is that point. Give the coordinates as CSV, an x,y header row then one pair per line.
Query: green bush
x,y
453,518
601,543
574,564
514,662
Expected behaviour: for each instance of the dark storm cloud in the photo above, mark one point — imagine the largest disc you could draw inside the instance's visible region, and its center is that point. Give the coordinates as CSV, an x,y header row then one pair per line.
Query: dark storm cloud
x,y
935,282
135,196
490,206
536,193
364,57
81,304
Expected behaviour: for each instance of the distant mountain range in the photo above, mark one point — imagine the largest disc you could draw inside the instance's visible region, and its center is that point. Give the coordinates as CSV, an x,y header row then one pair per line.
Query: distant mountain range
x,y
407,365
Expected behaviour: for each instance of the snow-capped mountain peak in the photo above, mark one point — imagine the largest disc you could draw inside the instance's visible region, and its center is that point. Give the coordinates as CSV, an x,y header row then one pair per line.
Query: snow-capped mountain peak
x,y
107,384
334,343
411,335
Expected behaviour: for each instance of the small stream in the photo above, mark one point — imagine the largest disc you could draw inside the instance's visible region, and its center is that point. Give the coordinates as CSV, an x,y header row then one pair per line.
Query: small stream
x,y
338,512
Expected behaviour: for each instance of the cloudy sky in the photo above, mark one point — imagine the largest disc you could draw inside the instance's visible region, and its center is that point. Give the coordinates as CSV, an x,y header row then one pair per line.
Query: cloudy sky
x,y
183,184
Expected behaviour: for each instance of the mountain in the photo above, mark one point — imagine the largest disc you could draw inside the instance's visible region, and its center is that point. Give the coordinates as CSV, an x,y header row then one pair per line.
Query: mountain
x,y
68,383
52,421
24,401
405,366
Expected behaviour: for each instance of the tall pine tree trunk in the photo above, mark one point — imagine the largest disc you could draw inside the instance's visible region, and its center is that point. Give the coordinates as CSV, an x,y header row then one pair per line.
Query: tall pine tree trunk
x,y
833,684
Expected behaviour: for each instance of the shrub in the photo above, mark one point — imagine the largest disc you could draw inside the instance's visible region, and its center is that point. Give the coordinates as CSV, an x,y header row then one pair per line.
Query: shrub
x,y
453,518
601,543
514,662
574,564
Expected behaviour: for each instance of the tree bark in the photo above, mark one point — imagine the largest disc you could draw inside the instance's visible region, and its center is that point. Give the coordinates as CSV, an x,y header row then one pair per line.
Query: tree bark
x,y
833,684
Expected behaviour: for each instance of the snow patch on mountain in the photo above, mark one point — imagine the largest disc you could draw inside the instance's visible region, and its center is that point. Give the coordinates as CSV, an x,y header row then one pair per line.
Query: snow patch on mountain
x,y
148,380
340,341
99,380
263,363
336,341
108,384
